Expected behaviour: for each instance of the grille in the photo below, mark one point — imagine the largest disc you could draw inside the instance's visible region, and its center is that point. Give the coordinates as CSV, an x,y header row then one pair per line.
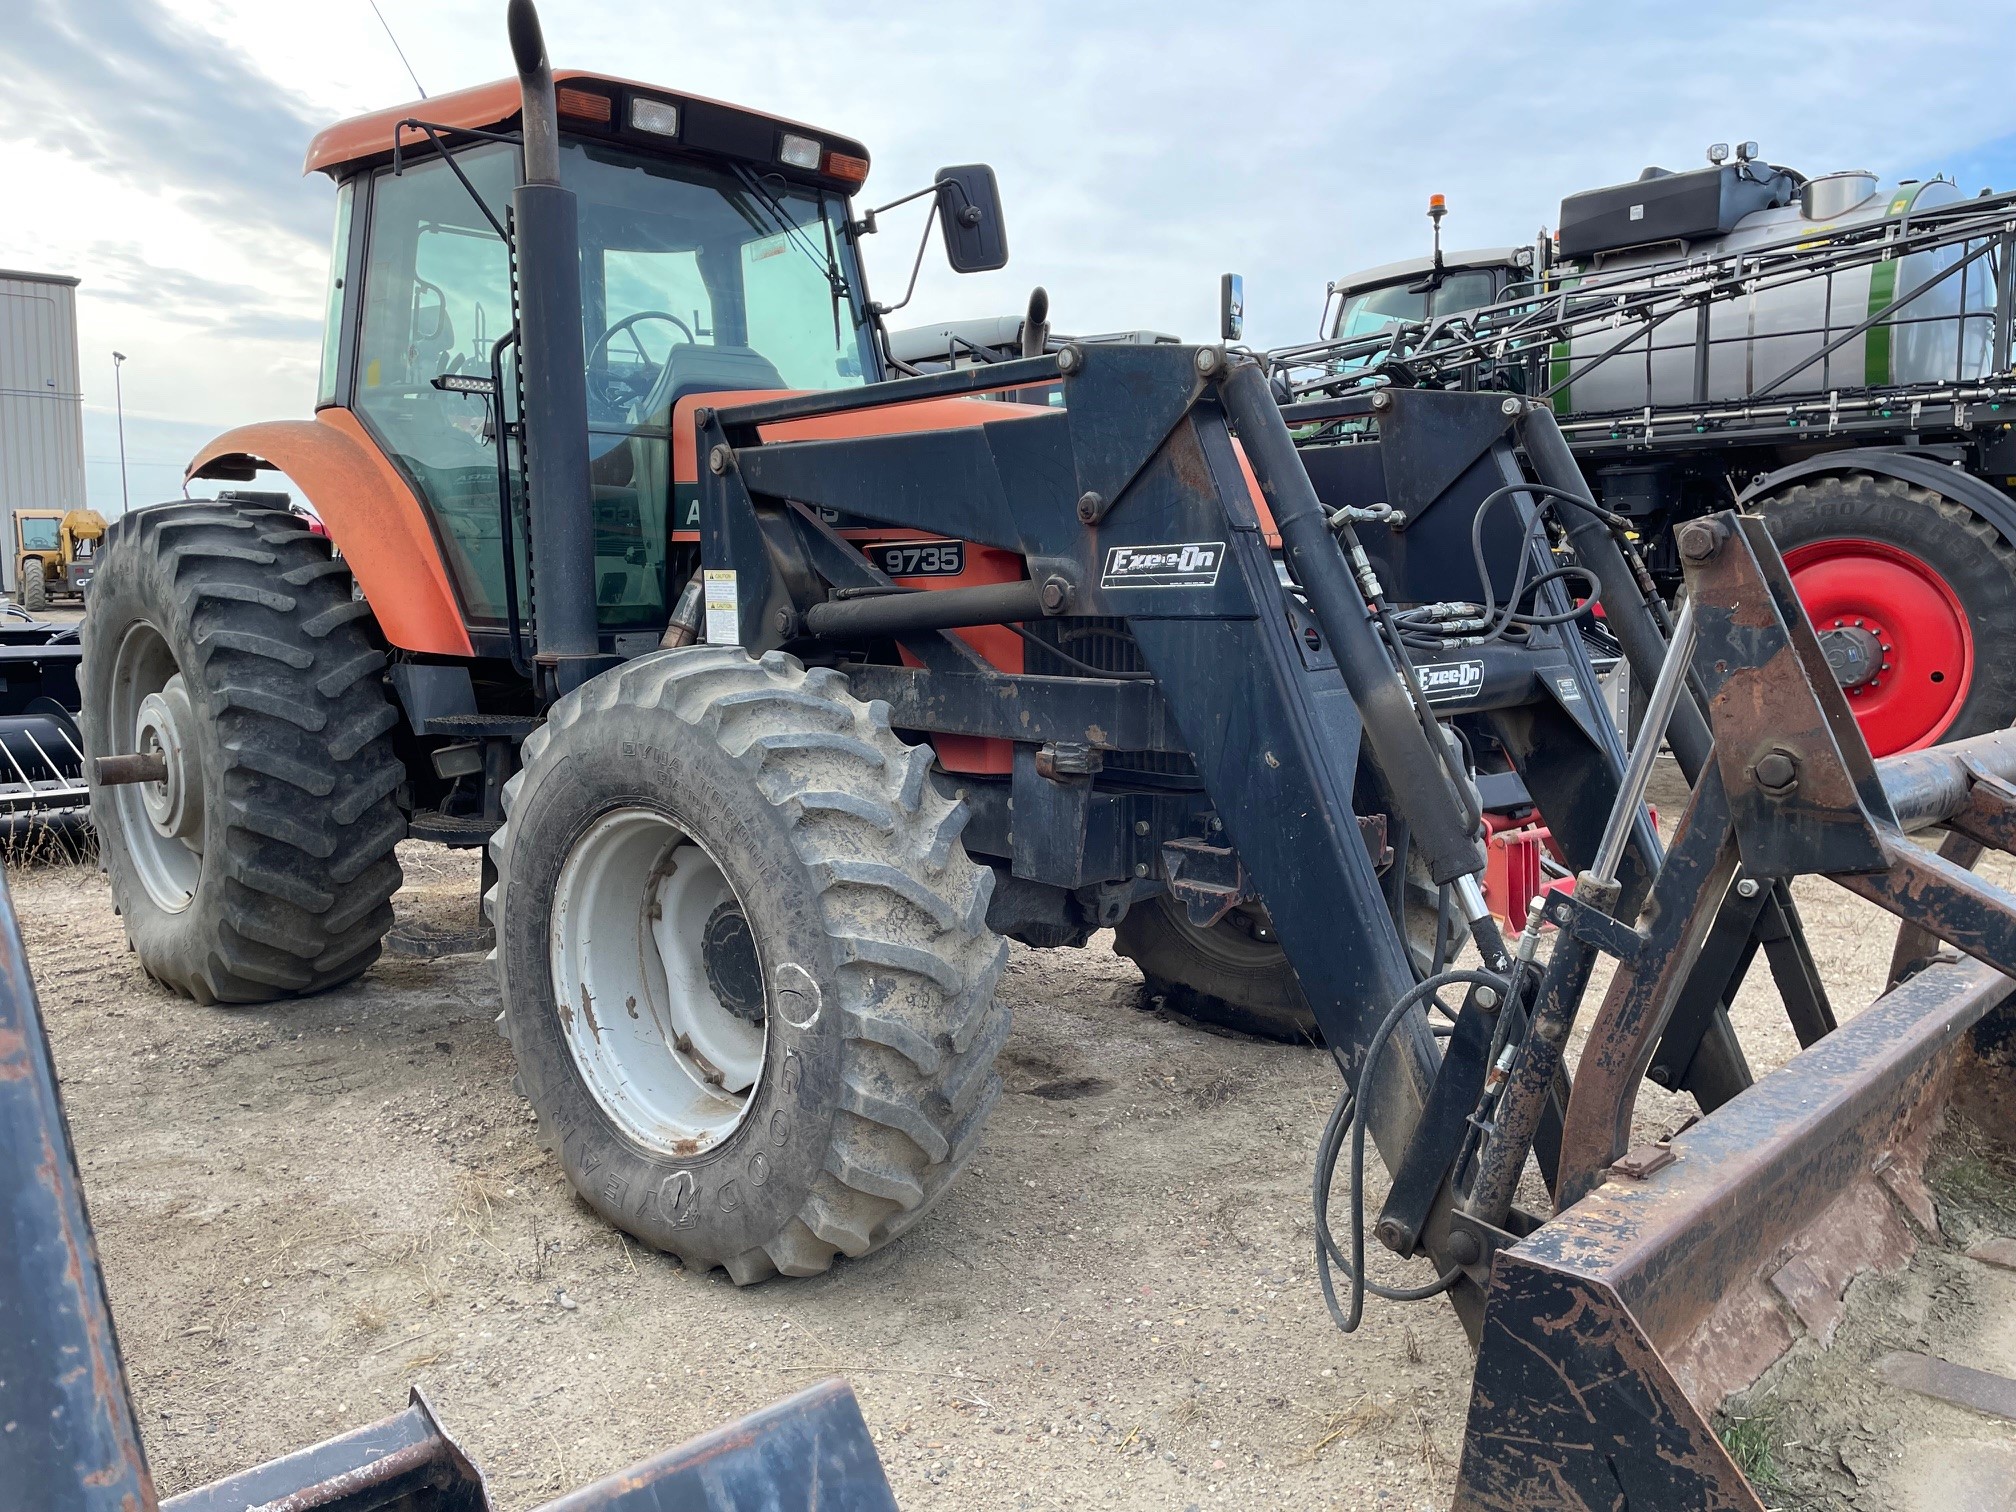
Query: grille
x,y
1104,643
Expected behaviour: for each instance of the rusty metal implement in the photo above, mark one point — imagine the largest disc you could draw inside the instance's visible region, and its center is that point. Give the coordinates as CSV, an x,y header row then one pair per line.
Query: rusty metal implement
x,y
1672,1276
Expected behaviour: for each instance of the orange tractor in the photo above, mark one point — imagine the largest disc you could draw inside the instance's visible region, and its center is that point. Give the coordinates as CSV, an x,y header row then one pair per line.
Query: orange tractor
x,y
782,693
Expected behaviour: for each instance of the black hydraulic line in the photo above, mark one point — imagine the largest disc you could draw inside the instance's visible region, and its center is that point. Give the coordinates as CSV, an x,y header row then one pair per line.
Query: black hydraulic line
x,y
1626,614
1515,1120
553,376
1413,772
890,614
1348,1116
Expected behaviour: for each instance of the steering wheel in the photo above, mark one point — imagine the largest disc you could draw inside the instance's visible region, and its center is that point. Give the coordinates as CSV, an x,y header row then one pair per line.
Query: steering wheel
x,y
598,354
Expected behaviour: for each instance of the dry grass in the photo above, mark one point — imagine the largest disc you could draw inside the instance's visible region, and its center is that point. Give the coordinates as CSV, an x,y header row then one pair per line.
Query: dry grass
x,y
478,1195
48,841
1361,1417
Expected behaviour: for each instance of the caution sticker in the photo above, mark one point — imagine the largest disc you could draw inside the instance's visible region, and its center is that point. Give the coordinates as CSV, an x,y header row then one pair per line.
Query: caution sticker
x,y
724,607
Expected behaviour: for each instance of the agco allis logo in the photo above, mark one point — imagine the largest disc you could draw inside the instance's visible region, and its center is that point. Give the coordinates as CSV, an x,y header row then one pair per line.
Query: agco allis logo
x,y
1190,564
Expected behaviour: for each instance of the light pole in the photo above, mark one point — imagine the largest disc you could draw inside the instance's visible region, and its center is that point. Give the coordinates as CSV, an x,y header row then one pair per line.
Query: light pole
x,y
119,409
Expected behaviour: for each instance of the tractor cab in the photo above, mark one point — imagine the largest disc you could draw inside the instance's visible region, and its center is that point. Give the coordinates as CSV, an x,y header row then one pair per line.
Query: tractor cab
x,y
716,254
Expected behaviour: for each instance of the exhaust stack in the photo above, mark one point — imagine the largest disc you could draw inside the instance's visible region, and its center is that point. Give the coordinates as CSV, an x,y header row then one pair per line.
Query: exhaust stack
x,y
553,378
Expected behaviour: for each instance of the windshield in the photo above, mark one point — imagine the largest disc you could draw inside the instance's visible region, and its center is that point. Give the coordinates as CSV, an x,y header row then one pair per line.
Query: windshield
x,y
39,534
1372,311
696,278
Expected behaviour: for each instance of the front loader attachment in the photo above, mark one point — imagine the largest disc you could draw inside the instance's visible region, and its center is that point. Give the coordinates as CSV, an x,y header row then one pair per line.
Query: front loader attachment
x,y
1676,1273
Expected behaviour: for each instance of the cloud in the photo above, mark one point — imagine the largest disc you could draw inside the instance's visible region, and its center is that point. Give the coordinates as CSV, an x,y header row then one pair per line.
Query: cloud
x,y
1143,148
126,89
119,274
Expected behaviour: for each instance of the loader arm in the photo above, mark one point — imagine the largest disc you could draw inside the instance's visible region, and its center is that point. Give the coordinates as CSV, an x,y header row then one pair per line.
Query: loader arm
x,y
1596,1324
1103,498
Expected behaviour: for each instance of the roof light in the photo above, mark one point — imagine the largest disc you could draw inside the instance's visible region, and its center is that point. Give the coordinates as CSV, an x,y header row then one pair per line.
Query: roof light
x,y
655,116
798,151
584,104
842,165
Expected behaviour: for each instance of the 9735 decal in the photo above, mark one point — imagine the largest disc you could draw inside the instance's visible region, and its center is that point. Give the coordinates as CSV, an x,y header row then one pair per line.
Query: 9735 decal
x,y
920,558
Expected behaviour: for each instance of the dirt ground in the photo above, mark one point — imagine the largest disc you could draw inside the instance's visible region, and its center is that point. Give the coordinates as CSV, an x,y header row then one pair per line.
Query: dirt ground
x,y
305,1209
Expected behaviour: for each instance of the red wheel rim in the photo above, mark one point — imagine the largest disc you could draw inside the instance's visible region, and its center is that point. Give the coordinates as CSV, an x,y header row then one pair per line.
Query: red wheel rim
x,y
1890,599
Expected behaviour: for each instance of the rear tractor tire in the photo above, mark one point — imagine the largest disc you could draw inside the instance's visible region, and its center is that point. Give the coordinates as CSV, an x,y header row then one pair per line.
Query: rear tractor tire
x,y
1235,974
744,961
225,640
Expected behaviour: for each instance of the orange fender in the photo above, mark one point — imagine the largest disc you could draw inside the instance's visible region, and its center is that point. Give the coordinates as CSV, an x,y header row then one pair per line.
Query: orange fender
x,y
372,513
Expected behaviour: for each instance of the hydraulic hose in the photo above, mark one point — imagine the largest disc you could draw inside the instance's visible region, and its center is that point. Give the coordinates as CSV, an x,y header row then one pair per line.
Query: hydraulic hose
x,y
1414,774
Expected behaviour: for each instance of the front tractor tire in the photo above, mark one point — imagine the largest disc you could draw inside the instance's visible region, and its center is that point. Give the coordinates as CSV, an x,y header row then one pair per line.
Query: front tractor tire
x,y
34,586
225,640
744,961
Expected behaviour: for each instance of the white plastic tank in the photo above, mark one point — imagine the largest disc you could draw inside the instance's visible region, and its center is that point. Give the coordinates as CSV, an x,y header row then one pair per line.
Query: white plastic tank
x,y
1942,336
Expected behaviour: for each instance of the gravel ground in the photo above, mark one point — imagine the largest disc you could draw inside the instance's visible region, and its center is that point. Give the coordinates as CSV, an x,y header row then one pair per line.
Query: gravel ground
x,y
305,1208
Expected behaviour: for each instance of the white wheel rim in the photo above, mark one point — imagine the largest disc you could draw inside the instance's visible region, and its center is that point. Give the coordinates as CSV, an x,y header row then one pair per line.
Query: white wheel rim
x,y
669,1061
161,822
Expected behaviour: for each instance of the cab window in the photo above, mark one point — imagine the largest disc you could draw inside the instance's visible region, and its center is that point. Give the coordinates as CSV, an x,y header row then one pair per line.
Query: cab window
x,y
333,322
1372,311
437,296
695,278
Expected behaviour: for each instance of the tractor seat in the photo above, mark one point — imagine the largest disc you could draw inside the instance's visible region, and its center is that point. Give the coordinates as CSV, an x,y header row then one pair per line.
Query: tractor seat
x,y
691,369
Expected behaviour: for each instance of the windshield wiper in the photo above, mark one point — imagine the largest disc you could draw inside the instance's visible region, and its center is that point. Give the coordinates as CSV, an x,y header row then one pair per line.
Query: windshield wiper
x,y
829,268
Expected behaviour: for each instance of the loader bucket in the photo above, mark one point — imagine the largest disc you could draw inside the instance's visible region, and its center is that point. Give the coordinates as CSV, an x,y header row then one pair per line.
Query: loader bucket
x,y
69,1438
1674,1274
1613,1334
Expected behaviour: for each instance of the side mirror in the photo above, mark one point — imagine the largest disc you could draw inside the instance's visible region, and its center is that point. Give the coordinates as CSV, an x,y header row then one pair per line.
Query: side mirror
x,y
969,210
1231,307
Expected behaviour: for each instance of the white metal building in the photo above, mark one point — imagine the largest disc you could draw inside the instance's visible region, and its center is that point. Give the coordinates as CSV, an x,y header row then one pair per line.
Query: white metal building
x,y
41,398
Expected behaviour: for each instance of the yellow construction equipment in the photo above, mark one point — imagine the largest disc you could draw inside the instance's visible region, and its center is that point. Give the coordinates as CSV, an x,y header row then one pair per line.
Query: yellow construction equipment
x,y
54,553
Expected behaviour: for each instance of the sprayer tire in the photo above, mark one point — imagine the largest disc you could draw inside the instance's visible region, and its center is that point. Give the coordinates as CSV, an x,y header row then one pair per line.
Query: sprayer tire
x,y
286,747
875,1073
1928,570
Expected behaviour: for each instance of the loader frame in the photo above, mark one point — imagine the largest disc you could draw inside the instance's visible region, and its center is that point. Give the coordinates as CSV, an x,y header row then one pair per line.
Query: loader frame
x,y
1291,711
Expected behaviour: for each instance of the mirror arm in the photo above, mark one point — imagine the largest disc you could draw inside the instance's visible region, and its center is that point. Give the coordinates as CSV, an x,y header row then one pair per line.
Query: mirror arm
x,y
917,264
866,225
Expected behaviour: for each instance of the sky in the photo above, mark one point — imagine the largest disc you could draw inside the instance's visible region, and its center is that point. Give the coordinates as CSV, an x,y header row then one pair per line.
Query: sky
x,y
153,147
